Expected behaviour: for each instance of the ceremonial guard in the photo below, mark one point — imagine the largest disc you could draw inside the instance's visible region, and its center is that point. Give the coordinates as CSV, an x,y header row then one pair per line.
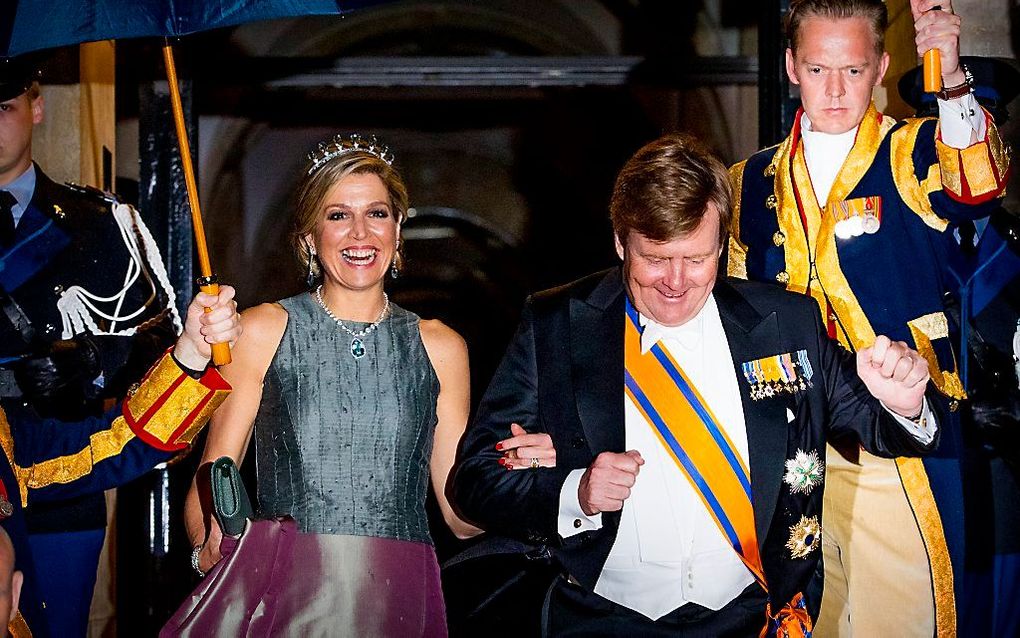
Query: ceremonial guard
x,y
852,208
982,265
46,459
85,308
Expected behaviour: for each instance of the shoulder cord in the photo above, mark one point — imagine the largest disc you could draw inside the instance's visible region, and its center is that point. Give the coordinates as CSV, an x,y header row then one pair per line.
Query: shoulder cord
x,y
77,305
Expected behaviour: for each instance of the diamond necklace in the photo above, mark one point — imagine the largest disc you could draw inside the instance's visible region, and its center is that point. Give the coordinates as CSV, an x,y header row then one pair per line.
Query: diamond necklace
x,y
357,345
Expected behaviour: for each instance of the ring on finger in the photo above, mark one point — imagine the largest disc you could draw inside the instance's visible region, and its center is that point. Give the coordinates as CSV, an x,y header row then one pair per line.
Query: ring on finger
x,y
534,463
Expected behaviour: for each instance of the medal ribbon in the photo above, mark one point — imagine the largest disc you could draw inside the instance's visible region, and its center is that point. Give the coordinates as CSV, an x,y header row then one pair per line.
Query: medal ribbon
x,y
691,434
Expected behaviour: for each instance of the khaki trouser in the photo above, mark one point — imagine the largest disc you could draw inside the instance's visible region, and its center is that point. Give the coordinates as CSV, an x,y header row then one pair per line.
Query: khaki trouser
x,y
877,578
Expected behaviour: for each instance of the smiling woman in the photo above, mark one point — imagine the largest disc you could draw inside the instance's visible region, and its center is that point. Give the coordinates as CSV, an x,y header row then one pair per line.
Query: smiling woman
x,y
356,405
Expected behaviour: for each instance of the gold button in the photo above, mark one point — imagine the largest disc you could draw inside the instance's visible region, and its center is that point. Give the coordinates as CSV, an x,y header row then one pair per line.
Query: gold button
x,y
954,405
771,201
779,238
783,277
770,170
133,389
577,523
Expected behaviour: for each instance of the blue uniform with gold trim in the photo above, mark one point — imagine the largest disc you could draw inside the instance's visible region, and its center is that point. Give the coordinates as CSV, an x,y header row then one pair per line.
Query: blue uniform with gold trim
x,y
46,460
68,238
887,282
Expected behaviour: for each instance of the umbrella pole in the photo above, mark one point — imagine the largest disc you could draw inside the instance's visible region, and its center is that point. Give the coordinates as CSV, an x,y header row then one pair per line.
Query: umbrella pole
x,y
207,282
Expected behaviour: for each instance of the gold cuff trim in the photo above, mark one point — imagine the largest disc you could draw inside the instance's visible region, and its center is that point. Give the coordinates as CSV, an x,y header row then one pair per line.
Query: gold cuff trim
x,y
924,330
161,378
170,407
949,162
929,522
102,445
977,166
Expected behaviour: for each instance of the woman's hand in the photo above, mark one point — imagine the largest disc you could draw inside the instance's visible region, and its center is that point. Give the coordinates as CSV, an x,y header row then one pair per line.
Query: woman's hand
x,y
201,328
210,554
524,451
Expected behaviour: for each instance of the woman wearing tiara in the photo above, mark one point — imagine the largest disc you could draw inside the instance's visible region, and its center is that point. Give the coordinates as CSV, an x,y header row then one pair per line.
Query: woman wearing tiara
x,y
356,405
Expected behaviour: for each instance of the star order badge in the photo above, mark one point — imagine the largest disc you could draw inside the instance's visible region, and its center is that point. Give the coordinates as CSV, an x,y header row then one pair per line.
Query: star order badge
x,y
805,537
804,471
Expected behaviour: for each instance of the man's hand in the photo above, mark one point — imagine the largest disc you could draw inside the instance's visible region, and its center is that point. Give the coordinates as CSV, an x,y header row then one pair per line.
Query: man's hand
x,y
939,29
606,484
201,328
895,375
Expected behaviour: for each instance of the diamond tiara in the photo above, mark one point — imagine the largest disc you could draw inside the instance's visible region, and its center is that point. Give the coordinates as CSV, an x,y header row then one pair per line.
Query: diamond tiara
x,y
342,145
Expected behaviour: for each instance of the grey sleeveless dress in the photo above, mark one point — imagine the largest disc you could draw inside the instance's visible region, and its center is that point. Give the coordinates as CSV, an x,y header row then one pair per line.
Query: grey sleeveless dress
x,y
343,446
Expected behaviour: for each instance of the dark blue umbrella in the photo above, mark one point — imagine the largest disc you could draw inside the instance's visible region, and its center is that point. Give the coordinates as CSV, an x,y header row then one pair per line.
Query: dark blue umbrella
x,y
31,25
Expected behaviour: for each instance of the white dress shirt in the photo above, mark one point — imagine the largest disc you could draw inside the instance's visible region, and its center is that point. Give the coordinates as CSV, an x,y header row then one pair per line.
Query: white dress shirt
x,y
668,550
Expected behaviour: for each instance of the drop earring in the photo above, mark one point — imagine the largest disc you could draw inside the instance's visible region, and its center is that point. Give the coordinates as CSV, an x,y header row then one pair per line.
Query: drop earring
x,y
394,269
310,277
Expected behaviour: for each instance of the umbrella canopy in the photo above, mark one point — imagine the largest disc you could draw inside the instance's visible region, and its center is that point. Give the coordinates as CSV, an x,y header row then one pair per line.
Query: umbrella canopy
x,y
31,25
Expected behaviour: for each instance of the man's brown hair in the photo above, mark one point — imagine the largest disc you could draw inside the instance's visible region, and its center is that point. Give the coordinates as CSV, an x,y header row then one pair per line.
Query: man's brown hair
x,y
664,190
873,11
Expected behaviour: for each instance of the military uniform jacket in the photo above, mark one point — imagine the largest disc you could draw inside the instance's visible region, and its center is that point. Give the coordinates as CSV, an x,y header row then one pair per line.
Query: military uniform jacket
x,y
44,460
887,282
65,238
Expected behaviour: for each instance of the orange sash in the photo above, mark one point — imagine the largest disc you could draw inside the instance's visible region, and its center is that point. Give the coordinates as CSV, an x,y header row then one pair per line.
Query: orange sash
x,y
686,427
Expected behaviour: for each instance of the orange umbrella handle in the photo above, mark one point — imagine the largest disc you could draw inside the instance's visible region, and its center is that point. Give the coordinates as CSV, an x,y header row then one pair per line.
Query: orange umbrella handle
x,y
220,351
932,71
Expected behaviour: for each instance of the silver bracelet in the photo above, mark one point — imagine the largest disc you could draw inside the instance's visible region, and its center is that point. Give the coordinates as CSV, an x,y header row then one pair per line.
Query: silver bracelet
x,y
194,560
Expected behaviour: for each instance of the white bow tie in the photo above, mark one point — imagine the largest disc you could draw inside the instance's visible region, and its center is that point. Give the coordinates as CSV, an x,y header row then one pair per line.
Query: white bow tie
x,y
687,335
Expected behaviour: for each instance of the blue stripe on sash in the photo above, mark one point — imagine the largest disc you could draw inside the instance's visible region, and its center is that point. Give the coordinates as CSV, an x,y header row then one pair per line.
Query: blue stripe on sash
x,y
699,409
685,460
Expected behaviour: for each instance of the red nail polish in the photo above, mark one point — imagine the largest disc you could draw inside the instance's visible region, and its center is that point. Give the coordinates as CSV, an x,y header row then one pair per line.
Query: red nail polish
x,y
502,461
499,446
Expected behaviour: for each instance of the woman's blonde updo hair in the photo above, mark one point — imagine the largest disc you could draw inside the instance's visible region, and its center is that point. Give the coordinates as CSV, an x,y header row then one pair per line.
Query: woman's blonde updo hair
x,y
316,186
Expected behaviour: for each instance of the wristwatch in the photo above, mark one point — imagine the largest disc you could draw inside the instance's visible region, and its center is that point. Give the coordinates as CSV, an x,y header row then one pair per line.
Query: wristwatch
x,y
194,560
953,92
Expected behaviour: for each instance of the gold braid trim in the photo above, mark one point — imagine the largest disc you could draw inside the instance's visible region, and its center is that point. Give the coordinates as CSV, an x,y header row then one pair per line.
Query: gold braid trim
x,y
18,628
929,522
71,467
870,134
914,193
796,250
872,131
924,330
736,253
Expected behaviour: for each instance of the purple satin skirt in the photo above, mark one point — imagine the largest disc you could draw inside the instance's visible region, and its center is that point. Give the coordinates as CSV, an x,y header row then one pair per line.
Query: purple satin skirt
x,y
275,580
